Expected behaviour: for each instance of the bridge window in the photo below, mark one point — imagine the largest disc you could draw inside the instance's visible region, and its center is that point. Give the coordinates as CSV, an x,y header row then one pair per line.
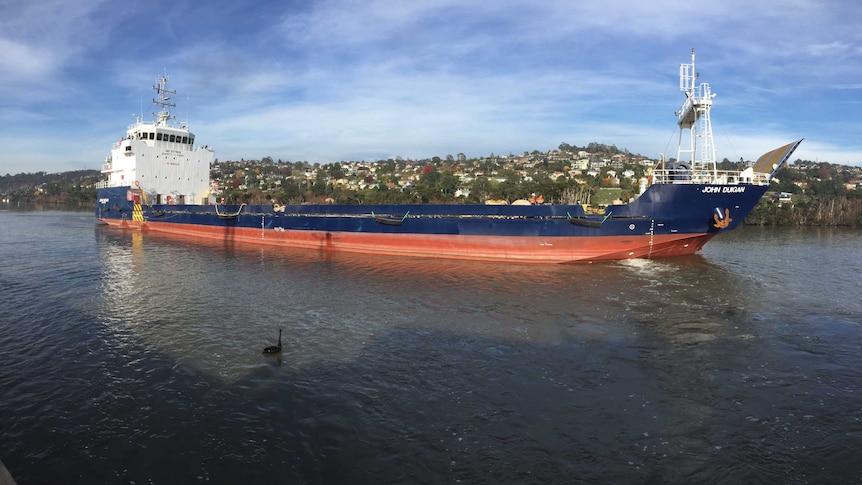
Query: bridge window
x,y
172,138
159,136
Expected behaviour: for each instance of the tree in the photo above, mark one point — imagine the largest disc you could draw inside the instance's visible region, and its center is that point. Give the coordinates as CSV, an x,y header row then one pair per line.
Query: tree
x,y
321,183
480,190
426,186
447,185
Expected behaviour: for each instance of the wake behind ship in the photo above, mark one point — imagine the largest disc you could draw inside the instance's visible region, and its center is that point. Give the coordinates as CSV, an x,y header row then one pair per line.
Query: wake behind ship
x,y
157,180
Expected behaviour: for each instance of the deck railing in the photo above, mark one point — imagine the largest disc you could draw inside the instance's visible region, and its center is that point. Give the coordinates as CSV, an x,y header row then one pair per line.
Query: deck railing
x,y
713,177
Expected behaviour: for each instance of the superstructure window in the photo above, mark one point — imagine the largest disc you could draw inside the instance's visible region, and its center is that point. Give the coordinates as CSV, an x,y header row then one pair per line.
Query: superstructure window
x,y
159,136
172,138
185,140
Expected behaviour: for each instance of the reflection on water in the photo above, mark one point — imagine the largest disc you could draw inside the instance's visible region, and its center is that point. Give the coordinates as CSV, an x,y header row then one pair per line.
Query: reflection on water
x,y
133,356
342,300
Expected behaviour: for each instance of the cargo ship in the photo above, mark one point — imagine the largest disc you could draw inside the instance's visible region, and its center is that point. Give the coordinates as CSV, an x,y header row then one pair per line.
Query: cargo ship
x,y
157,179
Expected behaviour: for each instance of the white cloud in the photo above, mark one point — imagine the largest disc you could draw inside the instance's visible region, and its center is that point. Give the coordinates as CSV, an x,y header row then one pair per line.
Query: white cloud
x,y
23,62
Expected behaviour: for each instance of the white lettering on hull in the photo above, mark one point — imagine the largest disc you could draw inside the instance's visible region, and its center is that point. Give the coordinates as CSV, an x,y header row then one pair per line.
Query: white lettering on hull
x,y
723,189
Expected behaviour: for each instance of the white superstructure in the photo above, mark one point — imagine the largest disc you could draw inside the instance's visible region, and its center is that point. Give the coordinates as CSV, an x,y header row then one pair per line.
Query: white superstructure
x,y
160,159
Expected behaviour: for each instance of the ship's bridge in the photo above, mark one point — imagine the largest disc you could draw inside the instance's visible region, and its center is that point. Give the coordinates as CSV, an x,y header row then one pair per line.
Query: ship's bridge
x,y
154,133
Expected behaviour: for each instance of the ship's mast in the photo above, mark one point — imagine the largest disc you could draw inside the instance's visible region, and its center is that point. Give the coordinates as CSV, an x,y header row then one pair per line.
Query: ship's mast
x,y
698,150
162,100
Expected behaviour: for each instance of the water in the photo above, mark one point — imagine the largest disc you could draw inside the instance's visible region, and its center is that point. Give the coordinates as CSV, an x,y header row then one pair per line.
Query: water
x,y
136,358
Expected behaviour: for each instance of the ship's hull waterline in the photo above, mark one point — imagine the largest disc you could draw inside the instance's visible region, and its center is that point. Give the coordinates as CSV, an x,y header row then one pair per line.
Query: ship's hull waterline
x,y
667,220
517,249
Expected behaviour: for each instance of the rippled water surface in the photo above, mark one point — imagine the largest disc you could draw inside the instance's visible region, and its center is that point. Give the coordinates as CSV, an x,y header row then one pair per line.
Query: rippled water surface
x,y
130,357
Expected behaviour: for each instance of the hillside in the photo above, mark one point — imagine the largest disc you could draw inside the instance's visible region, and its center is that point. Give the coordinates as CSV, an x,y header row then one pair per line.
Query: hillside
x,y
69,189
805,193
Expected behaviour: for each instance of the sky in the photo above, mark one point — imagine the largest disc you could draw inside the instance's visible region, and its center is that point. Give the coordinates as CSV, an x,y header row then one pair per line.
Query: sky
x,y
343,80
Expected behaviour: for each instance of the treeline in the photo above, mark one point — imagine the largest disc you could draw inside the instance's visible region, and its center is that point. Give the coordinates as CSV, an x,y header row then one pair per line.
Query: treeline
x,y
822,194
73,189
814,194
816,211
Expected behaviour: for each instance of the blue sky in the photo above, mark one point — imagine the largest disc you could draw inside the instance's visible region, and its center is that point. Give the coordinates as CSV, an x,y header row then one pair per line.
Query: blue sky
x,y
327,81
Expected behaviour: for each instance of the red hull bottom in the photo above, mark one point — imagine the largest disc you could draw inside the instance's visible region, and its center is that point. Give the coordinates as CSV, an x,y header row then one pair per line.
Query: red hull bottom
x,y
531,249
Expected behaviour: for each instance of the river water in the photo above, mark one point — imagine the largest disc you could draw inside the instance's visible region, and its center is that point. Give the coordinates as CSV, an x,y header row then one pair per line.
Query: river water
x,y
129,357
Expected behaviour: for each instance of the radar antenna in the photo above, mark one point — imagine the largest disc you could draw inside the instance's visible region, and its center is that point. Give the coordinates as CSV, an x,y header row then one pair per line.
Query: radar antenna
x,y
162,100
698,150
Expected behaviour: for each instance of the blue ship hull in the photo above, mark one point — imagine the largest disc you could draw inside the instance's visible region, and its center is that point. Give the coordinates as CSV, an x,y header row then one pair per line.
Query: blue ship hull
x,y
666,220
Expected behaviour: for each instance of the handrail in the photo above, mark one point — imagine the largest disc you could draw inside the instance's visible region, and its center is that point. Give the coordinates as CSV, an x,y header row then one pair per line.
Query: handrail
x,y
714,177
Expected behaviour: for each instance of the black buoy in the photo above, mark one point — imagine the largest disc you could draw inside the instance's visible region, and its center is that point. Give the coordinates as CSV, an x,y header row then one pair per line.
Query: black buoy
x,y
274,349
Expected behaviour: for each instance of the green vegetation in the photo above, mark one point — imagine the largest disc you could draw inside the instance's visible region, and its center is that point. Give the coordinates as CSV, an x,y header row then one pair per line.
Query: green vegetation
x,y
812,194
805,193
74,189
